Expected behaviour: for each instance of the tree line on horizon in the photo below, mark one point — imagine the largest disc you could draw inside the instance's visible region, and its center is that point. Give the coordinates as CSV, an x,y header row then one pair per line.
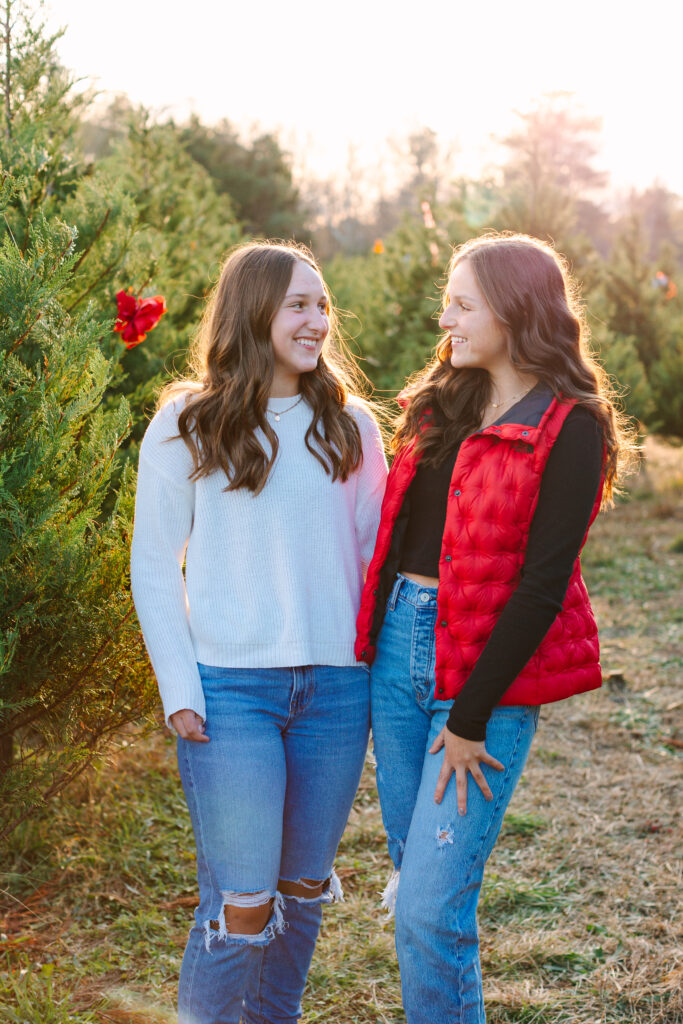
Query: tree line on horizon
x,y
97,206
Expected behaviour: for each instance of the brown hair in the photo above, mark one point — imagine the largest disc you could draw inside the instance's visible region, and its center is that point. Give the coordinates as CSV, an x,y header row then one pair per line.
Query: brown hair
x,y
530,290
233,365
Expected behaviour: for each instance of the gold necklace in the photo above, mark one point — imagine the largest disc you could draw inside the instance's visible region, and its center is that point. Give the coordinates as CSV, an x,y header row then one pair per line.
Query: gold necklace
x,y
520,394
277,415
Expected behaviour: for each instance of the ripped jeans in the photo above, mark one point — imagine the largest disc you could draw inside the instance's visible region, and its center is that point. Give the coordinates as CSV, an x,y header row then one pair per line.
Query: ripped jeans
x,y
269,797
438,857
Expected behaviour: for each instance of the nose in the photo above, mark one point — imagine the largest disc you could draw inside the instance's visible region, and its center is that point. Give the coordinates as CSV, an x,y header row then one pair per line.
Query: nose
x,y
319,321
446,320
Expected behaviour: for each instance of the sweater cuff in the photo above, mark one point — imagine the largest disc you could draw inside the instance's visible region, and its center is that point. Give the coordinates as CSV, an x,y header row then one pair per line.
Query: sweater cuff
x,y
466,728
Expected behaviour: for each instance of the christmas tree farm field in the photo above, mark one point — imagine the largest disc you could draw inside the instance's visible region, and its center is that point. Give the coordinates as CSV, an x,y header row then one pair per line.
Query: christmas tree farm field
x,y
578,916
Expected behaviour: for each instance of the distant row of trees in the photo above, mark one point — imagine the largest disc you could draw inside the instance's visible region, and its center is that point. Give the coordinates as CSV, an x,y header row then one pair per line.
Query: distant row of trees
x,y
94,204
629,262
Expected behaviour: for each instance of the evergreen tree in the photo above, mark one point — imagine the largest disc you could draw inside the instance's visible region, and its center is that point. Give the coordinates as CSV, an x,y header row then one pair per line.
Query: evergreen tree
x,y
72,663
667,383
182,228
618,354
257,177
399,313
632,305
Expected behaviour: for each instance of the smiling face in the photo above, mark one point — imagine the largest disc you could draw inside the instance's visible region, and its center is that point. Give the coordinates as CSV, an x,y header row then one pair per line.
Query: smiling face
x,y
478,339
299,329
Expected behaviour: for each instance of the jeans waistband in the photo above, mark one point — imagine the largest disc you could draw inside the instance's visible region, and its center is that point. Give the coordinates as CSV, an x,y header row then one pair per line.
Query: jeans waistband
x,y
412,592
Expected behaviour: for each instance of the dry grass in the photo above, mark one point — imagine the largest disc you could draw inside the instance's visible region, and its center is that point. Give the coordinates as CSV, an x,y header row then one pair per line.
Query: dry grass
x,y
580,917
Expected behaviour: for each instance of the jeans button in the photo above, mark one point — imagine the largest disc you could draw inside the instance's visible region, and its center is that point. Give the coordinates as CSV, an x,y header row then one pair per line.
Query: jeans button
x,y
424,597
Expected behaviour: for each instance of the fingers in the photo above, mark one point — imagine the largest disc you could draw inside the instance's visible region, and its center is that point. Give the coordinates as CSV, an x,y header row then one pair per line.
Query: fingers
x,y
442,781
480,780
189,726
438,742
461,790
197,734
487,759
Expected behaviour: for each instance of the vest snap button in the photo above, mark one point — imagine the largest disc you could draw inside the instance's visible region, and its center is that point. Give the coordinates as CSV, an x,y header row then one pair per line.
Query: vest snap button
x,y
374,593
456,494
441,689
525,433
444,623
363,653
448,558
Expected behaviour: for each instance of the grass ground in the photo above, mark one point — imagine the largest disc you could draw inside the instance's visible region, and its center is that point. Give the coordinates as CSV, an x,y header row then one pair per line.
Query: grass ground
x,y
580,918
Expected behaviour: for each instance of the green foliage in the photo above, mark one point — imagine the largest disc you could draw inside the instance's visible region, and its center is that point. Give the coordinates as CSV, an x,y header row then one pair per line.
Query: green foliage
x,y
256,177
619,356
397,294
667,383
30,997
72,664
633,306
637,329
181,230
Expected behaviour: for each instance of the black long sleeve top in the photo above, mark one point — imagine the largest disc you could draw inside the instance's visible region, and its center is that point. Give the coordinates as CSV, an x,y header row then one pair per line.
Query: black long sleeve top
x,y
568,490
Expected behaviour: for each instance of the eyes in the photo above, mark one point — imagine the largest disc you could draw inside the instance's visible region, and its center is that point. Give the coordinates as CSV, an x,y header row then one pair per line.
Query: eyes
x,y
322,306
457,303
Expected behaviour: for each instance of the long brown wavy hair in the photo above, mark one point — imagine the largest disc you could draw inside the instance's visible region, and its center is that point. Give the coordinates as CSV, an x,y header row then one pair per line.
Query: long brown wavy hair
x,y
233,365
531,292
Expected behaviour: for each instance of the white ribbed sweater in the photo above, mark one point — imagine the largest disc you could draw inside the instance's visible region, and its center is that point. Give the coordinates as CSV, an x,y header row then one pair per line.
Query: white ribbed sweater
x,y
271,580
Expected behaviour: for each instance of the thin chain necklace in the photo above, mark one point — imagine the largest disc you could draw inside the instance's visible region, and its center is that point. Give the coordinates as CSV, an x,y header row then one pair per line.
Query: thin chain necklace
x,y
520,394
277,415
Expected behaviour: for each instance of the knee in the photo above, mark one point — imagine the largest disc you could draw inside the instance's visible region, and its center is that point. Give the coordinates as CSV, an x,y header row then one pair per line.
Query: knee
x,y
305,888
241,920
312,890
437,909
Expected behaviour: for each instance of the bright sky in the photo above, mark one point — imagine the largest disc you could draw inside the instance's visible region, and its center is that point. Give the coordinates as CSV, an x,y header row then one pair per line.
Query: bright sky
x,y
354,73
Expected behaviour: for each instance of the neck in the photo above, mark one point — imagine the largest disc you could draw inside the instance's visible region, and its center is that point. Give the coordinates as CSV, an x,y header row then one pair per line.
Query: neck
x,y
508,384
284,387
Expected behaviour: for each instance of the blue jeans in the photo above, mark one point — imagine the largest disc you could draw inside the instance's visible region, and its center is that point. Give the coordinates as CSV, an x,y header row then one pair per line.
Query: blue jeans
x,y
269,797
438,856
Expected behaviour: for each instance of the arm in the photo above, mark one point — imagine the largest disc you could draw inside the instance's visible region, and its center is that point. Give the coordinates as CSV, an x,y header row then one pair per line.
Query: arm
x,y
567,494
372,478
164,510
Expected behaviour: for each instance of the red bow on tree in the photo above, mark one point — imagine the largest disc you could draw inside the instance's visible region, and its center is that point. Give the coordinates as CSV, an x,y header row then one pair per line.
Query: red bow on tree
x,y
137,316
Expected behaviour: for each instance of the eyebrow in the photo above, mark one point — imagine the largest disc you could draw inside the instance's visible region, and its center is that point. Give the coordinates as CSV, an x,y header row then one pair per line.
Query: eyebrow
x,y
304,295
467,298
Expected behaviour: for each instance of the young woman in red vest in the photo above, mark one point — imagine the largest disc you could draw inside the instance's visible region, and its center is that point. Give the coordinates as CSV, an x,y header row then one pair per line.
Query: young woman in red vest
x,y
474,611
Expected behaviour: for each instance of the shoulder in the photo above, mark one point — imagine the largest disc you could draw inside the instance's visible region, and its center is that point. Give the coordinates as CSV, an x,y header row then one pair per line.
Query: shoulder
x,y
162,444
582,425
362,413
578,450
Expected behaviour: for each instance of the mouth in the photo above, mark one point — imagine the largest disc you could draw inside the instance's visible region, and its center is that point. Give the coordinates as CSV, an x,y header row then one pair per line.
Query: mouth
x,y
456,339
307,343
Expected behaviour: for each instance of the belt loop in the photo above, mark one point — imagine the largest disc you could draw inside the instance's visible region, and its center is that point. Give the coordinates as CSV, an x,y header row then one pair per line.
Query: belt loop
x,y
395,590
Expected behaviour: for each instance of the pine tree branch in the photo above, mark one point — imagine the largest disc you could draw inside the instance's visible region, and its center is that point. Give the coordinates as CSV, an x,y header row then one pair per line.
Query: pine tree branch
x,y
64,780
28,330
23,722
105,273
95,237
70,775
8,69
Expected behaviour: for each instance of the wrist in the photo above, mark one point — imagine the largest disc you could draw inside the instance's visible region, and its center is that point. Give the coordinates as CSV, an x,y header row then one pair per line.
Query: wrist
x,y
466,729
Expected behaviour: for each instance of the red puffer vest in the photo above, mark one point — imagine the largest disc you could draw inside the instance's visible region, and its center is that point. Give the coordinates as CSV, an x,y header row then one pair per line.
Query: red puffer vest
x,y
491,502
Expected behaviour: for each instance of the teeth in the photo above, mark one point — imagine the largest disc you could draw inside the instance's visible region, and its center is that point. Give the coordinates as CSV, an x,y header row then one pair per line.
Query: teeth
x,y
457,340
306,342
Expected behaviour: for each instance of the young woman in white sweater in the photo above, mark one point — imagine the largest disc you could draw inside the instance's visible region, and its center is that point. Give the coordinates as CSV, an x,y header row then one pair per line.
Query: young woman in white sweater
x,y
264,476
